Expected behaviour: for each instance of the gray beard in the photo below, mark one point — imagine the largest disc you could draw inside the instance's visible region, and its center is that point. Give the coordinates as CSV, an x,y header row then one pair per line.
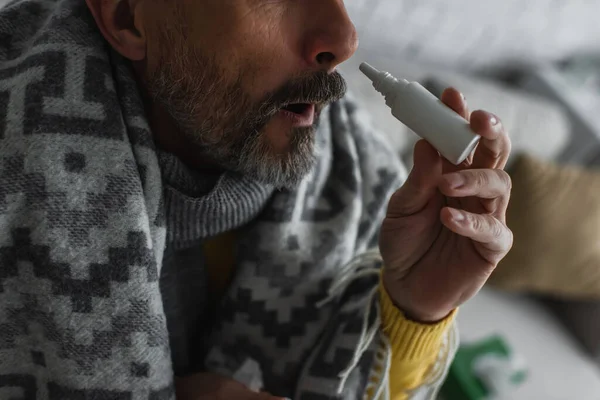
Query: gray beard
x,y
258,162
235,141
231,134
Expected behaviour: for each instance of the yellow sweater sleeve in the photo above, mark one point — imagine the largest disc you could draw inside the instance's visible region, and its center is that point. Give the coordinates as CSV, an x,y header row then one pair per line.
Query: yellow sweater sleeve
x,y
415,346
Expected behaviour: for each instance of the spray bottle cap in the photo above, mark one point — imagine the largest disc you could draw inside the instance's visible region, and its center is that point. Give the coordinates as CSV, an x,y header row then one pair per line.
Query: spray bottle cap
x,y
371,72
383,82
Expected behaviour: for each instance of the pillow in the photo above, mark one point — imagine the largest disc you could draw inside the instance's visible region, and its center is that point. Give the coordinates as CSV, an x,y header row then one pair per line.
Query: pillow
x,y
475,34
555,217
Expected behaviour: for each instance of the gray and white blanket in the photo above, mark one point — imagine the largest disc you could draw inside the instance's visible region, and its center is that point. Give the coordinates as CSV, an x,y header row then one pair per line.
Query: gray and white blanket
x,y
99,230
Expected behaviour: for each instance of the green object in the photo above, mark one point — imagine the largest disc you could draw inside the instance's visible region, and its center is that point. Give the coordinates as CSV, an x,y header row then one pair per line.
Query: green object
x,y
462,382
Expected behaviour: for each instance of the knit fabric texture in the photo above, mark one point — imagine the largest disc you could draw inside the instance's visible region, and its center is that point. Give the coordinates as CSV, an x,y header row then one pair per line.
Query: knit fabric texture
x,y
94,222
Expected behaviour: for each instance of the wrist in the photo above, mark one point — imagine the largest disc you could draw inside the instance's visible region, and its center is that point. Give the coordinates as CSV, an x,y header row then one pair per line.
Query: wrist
x,y
400,298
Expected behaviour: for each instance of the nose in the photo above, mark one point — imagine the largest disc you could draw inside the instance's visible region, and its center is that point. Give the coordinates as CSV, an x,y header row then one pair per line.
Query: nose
x,y
332,37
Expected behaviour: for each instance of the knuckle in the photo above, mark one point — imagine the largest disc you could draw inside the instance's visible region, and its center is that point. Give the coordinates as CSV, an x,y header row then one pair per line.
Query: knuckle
x,y
505,179
475,222
510,239
493,154
482,178
497,230
507,142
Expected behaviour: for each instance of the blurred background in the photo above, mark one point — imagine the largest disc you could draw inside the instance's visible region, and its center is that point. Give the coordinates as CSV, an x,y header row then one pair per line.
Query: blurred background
x,y
534,331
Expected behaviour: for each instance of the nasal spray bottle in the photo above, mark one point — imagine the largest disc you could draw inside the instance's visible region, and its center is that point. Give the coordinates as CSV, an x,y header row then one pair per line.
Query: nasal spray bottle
x,y
425,114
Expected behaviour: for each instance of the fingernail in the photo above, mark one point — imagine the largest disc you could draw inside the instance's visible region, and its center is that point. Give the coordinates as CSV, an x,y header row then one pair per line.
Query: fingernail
x,y
455,181
493,119
457,215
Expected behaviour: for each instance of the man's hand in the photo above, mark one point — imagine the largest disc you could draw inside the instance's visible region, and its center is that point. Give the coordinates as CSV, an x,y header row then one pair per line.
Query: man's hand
x,y
445,229
208,386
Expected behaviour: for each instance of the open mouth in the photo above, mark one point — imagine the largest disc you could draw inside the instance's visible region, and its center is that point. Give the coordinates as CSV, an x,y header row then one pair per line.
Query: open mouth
x,y
298,108
301,114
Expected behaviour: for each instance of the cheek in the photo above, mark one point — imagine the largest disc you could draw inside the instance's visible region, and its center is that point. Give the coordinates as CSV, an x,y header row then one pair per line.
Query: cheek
x,y
259,54
248,42
264,67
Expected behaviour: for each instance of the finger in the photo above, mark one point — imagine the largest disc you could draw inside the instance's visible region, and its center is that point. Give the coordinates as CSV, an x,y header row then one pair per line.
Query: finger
x,y
483,183
494,147
421,183
456,101
494,236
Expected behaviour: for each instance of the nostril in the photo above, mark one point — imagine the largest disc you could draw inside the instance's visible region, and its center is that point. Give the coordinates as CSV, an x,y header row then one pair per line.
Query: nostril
x,y
325,58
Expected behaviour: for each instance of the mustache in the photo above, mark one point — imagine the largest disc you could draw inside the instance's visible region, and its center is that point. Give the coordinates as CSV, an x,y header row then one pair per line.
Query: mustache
x,y
319,88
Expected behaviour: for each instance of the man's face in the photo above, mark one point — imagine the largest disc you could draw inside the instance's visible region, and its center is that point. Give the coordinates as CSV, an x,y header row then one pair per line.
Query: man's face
x,y
245,80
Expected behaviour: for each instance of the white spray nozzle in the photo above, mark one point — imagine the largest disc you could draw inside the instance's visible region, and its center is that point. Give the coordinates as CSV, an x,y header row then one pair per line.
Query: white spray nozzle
x,y
371,72
383,81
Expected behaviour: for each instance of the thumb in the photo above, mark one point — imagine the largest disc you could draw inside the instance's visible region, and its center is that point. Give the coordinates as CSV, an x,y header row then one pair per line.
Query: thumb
x,y
421,184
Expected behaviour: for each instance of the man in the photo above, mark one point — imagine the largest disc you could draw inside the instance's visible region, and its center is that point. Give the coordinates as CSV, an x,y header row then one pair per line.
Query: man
x,y
168,207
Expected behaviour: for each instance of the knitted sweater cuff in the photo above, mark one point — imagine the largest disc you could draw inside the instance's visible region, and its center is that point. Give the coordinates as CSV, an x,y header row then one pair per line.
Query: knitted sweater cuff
x,y
411,340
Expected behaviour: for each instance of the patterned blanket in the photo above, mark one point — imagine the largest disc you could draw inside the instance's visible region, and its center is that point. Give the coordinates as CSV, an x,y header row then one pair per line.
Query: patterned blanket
x,y
85,218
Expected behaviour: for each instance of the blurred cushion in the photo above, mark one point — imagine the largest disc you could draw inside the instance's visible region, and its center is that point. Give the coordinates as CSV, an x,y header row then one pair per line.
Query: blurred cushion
x,y
555,217
475,34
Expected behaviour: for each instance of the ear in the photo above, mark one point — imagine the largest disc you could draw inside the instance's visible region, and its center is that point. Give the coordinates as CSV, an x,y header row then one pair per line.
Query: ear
x,y
116,20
